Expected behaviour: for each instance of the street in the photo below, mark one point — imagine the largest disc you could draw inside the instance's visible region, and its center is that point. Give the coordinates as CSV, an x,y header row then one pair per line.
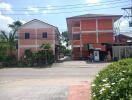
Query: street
x,y
62,81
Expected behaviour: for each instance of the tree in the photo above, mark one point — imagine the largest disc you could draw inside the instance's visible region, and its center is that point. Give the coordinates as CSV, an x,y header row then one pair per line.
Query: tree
x,y
46,48
65,50
65,38
10,38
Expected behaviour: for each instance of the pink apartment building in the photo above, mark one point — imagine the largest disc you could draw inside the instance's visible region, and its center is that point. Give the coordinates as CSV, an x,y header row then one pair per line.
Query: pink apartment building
x,y
34,33
91,33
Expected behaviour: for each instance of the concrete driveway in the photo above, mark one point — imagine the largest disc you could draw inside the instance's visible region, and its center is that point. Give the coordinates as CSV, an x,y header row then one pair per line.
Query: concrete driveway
x,y
69,80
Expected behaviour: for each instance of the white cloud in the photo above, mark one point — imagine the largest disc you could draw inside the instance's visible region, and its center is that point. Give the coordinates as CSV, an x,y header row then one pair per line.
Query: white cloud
x,y
6,6
26,13
33,9
92,1
47,9
4,21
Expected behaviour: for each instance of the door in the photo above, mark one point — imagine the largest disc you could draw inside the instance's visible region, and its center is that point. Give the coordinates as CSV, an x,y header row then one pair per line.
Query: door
x,y
96,55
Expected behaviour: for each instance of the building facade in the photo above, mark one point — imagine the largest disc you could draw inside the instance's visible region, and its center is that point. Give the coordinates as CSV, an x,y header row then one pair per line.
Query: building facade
x,y
34,33
121,38
89,33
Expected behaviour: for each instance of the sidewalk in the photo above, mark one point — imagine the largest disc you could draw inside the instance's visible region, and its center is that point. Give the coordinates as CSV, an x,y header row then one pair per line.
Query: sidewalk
x,y
80,92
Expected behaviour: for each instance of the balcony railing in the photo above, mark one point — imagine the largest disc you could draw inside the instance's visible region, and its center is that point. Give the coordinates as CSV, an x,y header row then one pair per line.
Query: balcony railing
x,y
75,29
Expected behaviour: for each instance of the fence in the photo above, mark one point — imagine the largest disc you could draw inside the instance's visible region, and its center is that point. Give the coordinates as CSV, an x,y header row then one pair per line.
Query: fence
x,y
120,52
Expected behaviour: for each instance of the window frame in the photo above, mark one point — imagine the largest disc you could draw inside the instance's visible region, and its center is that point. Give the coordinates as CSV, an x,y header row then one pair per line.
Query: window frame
x,y
27,35
45,35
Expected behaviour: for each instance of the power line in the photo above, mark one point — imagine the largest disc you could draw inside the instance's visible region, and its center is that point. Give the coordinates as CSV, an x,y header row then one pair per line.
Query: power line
x,y
129,15
104,8
72,7
76,7
82,4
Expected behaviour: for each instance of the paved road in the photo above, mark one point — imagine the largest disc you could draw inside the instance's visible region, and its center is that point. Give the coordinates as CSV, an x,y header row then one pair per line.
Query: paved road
x,y
56,83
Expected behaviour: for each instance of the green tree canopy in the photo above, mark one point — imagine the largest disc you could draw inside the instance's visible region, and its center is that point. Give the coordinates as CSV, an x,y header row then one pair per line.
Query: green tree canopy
x,y
45,46
10,38
65,38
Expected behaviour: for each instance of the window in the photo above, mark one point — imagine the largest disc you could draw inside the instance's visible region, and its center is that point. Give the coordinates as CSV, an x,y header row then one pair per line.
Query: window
x,y
76,36
27,35
44,34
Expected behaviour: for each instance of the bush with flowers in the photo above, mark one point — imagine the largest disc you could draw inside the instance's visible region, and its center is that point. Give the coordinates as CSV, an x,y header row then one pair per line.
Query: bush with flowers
x,y
114,82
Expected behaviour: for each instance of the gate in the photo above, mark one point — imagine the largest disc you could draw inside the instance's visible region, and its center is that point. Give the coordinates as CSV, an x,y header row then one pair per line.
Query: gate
x,y
120,52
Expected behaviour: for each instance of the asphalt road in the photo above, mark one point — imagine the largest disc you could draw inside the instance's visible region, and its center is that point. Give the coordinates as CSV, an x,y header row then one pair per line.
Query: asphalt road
x,y
46,83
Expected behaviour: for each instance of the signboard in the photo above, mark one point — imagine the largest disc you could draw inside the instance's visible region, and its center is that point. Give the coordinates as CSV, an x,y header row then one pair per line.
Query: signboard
x,y
91,46
88,46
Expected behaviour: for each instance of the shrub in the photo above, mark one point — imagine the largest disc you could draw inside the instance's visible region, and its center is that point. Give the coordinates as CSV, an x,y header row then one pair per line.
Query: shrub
x,y
39,58
114,82
9,61
2,53
28,57
50,57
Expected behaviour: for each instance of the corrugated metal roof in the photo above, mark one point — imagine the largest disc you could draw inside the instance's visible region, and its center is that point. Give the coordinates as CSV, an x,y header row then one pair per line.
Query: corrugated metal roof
x,y
94,15
38,21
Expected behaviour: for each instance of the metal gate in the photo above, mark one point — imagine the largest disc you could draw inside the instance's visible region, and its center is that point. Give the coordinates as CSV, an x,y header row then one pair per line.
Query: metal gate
x,y
120,52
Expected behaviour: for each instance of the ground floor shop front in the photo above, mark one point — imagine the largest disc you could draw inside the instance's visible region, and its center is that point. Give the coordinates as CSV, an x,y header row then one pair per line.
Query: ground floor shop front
x,y
96,52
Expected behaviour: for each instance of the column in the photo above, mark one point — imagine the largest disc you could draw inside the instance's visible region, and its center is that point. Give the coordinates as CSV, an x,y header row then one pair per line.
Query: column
x,y
97,31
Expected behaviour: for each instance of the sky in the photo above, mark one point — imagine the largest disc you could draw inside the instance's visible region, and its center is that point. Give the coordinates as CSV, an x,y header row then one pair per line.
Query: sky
x,y
55,12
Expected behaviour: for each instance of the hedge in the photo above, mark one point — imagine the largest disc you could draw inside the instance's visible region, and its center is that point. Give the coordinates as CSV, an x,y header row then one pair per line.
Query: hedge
x,y
114,82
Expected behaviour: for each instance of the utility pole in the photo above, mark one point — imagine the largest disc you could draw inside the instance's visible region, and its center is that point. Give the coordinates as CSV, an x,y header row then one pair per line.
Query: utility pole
x,y
129,16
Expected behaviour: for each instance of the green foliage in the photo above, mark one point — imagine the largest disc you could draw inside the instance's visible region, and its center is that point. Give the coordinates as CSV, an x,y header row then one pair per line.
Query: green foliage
x,y
47,53
114,82
28,53
10,38
65,51
42,57
28,57
2,53
50,57
9,61
8,43
65,38
46,46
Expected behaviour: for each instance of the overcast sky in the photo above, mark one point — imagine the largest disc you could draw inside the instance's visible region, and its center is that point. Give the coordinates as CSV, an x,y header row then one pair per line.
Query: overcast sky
x,y
55,12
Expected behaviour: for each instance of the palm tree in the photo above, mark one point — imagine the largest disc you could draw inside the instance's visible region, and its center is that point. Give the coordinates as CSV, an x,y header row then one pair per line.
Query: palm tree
x,y
10,38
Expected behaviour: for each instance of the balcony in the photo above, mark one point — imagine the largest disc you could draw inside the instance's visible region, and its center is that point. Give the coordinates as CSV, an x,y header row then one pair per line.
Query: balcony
x,y
76,42
75,29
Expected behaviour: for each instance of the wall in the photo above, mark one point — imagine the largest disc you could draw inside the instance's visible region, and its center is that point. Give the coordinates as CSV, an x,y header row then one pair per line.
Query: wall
x,y
35,40
93,31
